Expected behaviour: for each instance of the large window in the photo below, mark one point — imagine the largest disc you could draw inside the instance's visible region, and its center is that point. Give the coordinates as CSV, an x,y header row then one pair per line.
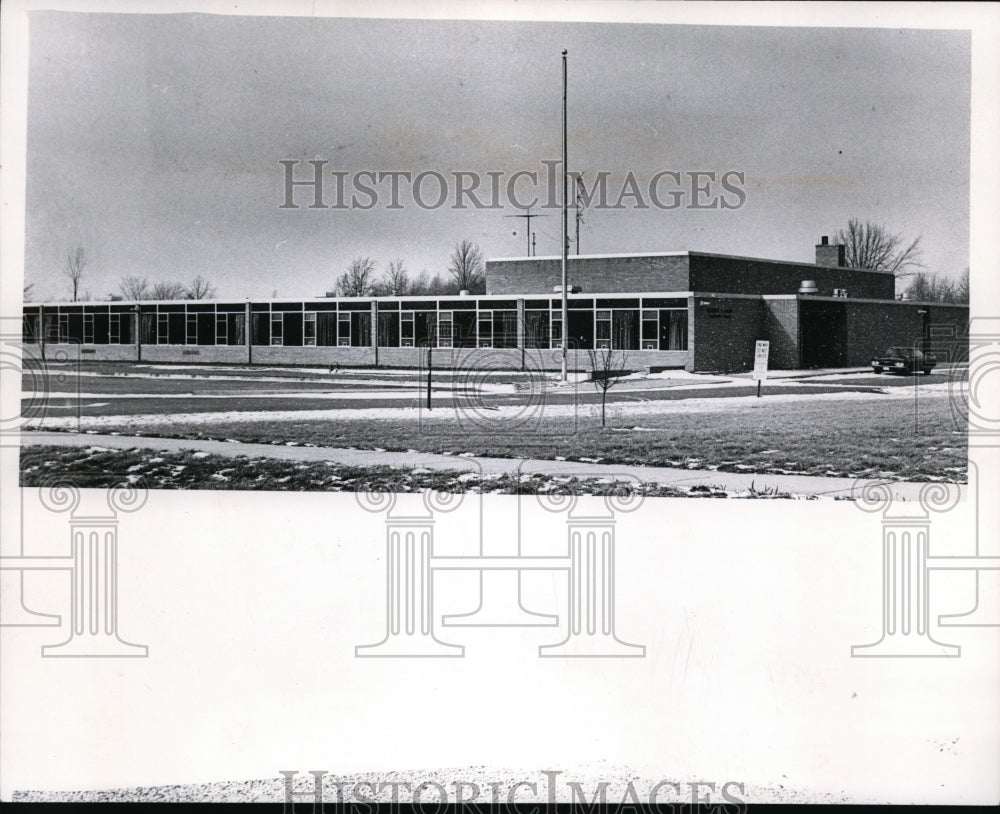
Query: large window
x,y
674,329
30,328
388,329
344,330
536,329
309,328
486,329
361,329
505,329
326,328
446,329
406,329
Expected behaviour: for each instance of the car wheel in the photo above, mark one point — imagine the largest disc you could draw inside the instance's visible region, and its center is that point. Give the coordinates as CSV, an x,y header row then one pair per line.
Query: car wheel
x,y
927,371
877,369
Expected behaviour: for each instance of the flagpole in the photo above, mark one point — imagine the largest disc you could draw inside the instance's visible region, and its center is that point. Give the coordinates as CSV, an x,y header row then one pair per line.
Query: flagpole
x,y
565,230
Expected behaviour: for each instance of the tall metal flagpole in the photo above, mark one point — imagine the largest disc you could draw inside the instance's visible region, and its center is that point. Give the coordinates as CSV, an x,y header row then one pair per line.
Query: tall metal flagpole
x,y
565,230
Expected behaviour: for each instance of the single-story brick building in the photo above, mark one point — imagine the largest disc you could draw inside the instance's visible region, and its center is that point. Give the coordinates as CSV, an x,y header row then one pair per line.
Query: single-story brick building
x,y
692,310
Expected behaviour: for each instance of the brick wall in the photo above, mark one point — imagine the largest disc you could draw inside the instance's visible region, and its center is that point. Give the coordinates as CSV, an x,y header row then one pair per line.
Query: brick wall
x,y
781,321
73,352
195,354
947,335
725,332
736,276
592,274
873,327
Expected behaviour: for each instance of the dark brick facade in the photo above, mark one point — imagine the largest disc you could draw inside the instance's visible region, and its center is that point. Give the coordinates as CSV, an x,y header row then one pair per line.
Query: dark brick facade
x,y
682,272
781,320
726,330
872,327
606,275
736,275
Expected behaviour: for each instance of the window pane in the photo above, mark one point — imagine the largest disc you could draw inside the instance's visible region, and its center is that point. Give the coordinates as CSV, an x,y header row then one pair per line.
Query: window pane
x,y
361,329
625,330
260,329
236,328
388,329
505,329
536,329
326,329
673,330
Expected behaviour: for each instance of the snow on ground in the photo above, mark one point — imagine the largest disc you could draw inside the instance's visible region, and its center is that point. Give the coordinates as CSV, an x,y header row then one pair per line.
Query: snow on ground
x,y
338,395
473,413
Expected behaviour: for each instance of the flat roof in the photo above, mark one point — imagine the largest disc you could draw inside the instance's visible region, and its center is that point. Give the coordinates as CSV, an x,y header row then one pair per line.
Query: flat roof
x,y
580,295
678,254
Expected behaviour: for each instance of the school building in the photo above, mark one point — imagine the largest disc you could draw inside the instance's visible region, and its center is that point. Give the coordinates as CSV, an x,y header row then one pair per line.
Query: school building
x,y
691,310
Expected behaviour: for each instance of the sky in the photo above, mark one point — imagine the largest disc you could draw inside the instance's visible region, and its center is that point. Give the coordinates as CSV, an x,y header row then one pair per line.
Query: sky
x,y
154,141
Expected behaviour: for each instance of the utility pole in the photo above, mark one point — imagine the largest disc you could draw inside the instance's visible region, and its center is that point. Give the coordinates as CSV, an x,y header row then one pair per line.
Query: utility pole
x,y
528,215
565,229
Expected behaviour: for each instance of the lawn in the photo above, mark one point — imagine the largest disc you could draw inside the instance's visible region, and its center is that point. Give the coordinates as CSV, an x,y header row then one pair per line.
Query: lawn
x,y
99,467
872,438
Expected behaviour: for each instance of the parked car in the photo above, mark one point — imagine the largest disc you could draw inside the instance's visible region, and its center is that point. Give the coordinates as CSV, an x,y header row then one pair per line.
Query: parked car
x,y
904,360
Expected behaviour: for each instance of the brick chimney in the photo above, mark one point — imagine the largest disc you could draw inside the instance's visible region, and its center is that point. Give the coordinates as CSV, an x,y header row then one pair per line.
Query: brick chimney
x,y
828,254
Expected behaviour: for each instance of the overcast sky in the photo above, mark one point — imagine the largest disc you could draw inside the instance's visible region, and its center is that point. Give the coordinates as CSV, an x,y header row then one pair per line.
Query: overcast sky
x,y
154,141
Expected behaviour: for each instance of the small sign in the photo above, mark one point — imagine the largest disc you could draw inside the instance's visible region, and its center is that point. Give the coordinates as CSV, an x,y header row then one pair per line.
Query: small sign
x,y
760,360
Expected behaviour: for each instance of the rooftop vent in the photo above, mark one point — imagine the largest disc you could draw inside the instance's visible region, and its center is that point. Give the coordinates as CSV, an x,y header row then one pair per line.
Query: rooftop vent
x,y
572,289
464,292
808,287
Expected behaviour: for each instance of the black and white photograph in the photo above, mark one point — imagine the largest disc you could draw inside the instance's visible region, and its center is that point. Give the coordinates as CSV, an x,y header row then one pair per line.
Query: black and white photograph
x,y
609,389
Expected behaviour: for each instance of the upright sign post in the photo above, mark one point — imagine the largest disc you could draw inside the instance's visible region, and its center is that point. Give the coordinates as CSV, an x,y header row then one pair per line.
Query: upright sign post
x,y
761,351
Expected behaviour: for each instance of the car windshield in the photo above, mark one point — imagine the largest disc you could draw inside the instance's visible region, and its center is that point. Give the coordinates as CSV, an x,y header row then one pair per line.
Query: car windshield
x,y
899,352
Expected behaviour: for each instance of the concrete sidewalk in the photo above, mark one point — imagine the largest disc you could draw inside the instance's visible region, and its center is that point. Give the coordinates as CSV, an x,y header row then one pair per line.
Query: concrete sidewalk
x,y
683,478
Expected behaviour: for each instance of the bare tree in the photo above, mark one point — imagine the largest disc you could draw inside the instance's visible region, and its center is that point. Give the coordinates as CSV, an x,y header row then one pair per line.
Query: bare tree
x,y
432,286
927,287
200,289
395,279
466,267
134,288
962,289
167,291
872,246
606,368
76,262
357,280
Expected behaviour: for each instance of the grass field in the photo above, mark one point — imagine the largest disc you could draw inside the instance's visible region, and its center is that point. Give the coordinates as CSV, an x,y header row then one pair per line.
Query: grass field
x,y
871,438
99,467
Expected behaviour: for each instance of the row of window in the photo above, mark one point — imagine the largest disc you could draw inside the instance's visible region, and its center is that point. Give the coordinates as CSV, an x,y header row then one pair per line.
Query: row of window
x,y
616,328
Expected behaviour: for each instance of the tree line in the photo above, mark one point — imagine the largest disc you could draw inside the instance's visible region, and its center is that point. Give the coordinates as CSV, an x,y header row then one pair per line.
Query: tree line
x,y
466,272
867,245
